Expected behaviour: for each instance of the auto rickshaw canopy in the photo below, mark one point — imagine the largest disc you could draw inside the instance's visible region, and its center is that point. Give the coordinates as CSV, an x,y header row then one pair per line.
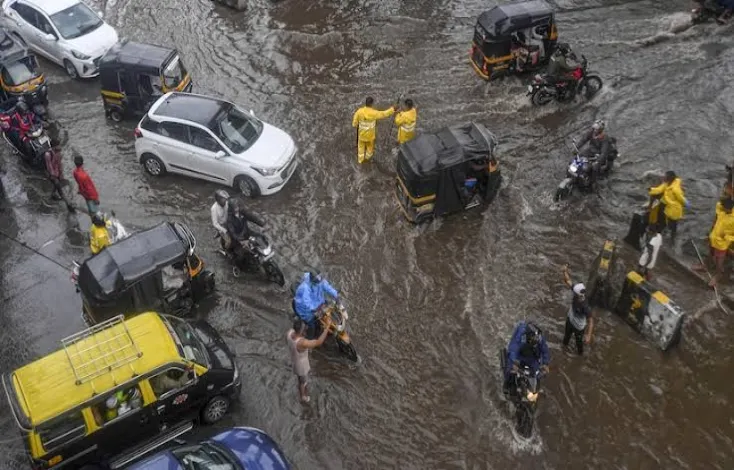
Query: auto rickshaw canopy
x,y
503,20
133,57
436,164
90,363
110,273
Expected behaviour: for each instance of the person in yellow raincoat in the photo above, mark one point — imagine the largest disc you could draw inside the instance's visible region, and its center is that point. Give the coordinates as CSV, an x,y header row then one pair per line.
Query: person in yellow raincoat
x,y
364,120
720,238
405,120
99,237
673,200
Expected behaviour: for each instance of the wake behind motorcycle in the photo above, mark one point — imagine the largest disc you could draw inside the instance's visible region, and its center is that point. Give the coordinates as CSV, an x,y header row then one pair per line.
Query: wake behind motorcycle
x,y
523,393
257,253
544,89
582,173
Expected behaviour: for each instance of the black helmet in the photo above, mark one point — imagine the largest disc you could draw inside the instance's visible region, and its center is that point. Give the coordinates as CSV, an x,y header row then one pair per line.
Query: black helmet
x,y
532,334
22,106
98,220
564,48
314,276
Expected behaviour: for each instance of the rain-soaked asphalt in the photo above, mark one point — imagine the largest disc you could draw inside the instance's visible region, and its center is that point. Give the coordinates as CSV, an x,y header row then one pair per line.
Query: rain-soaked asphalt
x,y
430,306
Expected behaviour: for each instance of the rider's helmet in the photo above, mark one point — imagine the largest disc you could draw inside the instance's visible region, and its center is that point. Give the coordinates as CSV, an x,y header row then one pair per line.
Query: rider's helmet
x,y
98,220
563,48
598,126
221,196
22,106
532,334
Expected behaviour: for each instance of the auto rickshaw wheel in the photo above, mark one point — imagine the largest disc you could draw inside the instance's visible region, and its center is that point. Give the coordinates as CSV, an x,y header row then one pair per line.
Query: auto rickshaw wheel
x,y
246,186
70,69
153,165
116,115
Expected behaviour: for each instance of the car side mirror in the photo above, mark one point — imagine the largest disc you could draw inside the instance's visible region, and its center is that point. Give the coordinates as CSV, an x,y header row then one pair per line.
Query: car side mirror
x,y
50,37
220,154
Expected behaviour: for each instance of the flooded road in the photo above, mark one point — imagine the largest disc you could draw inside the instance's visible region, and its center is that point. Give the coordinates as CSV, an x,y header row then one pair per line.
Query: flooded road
x,y
429,306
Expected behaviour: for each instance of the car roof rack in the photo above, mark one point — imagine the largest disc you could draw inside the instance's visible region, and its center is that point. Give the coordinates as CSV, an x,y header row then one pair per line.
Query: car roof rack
x,y
101,349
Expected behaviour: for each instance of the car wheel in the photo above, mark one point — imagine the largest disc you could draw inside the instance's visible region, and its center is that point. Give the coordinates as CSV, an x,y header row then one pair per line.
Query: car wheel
x,y
70,69
215,409
153,165
116,115
246,186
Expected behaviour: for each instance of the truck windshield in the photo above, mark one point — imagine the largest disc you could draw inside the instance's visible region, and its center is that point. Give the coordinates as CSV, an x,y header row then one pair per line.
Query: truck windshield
x,y
189,345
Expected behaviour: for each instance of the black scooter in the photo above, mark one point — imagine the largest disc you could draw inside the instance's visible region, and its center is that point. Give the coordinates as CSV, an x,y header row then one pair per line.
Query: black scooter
x,y
523,393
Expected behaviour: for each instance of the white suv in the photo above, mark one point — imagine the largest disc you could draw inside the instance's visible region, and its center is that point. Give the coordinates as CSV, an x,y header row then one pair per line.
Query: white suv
x,y
214,140
67,32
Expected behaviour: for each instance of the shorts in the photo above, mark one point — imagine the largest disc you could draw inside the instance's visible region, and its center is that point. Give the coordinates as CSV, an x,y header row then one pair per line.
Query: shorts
x,y
93,206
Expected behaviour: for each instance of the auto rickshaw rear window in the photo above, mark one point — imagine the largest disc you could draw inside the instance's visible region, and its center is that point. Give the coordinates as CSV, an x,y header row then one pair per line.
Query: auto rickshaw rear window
x,y
174,72
62,430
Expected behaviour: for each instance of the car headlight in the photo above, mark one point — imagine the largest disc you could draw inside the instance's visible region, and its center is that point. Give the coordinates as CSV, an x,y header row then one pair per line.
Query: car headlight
x,y
266,171
79,55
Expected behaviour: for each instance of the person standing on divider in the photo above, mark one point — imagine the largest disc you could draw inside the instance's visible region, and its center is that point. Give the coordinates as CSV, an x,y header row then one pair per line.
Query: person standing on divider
x,y
364,120
86,186
651,243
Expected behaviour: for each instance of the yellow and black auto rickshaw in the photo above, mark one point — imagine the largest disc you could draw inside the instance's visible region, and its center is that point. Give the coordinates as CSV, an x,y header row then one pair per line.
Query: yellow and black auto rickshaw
x,y
156,269
513,38
449,171
19,73
134,75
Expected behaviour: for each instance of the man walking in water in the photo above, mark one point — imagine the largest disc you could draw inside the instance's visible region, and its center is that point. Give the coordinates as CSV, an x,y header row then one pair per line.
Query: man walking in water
x,y
579,320
364,121
299,346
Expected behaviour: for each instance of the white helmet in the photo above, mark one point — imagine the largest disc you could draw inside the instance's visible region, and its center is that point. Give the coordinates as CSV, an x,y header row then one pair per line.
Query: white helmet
x,y
598,125
221,194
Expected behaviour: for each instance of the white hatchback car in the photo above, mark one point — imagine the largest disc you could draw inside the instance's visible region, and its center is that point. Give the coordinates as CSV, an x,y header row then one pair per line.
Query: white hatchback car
x,y
67,32
214,140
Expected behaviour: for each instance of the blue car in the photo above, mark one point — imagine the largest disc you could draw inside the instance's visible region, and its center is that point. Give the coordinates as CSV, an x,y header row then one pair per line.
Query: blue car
x,y
239,448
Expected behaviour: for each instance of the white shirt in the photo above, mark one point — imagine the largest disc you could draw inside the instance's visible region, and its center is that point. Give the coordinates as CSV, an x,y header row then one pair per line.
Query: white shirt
x,y
655,243
219,217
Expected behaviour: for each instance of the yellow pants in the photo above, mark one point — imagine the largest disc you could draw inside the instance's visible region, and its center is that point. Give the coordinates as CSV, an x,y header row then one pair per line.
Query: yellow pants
x,y
365,150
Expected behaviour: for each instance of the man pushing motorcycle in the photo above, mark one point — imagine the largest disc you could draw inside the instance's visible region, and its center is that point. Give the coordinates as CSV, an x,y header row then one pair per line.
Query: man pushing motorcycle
x,y
310,299
527,348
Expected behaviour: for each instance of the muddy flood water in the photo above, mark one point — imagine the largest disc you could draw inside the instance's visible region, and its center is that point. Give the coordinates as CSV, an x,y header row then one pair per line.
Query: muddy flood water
x,y
429,306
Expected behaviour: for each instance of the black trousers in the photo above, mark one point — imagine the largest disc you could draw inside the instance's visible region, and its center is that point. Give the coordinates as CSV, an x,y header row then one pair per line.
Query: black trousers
x,y
579,334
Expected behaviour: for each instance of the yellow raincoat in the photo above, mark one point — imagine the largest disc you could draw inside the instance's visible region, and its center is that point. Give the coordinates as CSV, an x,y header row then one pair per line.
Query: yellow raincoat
x,y
673,198
365,119
722,234
99,238
406,125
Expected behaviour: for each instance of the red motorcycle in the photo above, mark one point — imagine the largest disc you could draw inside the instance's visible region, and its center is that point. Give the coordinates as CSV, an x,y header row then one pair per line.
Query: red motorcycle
x,y
26,134
583,82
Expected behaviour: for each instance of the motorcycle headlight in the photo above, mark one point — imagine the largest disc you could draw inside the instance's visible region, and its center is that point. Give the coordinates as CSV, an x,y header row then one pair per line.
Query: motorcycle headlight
x,y
265,171
79,55
37,133
532,396
267,250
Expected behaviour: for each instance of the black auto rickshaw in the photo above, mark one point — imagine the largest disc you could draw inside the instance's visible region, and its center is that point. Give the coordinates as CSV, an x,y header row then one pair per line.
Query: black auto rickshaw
x,y
133,75
19,73
156,269
449,171
513,38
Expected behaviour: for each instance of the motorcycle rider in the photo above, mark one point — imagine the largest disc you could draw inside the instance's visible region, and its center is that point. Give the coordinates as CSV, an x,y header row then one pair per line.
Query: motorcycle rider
x,y
599,144
527,347
310,297
559,68
22,121
219,212
238,229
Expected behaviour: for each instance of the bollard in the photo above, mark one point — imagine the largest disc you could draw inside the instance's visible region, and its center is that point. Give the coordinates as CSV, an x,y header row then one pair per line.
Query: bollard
x,y
599,284
650,312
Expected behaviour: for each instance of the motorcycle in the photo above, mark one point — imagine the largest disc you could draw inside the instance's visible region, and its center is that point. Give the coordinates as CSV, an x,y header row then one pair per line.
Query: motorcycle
x,y
258,253
544,89
338,328
32,143
580,172
523,393
116,231
707,10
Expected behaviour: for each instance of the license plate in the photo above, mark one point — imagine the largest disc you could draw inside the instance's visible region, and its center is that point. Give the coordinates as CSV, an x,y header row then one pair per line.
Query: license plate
x,y
530,88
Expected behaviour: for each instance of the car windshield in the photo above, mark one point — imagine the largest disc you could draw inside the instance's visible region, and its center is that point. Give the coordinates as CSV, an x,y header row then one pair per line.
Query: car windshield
x,y
76,21
190,346
21,71
174,73
203,457
236,129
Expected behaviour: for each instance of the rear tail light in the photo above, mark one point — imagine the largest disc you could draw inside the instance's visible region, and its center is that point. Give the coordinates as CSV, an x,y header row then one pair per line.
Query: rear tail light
x,y
138,133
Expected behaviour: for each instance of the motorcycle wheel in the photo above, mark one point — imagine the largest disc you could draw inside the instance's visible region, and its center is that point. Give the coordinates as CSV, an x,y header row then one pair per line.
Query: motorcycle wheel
x,y
591,86
274,273
541,97
347,350
524,417
562,192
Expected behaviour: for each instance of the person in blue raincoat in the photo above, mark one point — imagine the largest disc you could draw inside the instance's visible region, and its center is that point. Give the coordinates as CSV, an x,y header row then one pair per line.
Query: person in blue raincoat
x,y
527,348
310,296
